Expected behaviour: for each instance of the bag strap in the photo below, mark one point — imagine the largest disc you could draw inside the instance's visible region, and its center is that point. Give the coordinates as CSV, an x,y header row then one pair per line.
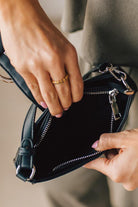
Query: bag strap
x,y
19,81
24,157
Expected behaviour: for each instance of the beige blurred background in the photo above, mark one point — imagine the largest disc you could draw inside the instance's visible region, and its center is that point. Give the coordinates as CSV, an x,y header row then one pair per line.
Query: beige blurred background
x,y
13,107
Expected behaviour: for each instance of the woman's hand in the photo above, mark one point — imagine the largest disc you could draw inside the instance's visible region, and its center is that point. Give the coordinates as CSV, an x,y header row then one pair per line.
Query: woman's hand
x,y
122,167
40,53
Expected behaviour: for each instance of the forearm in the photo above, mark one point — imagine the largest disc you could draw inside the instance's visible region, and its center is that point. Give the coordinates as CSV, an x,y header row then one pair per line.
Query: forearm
x,y
19,14
13,10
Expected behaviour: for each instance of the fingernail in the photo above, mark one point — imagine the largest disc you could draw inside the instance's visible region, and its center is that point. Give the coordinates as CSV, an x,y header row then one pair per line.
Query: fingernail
x,y
95,144
43,104
66,109
58,115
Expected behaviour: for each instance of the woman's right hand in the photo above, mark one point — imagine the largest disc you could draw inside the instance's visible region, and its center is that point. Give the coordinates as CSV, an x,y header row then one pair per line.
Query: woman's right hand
x,y
40,54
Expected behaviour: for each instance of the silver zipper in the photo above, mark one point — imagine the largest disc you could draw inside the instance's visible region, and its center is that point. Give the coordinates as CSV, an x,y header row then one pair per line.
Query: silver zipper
x,y
44,132
96,92
74,160
112,122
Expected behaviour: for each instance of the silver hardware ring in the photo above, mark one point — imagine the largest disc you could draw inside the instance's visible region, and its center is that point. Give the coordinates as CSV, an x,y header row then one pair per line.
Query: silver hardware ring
x,y
31,175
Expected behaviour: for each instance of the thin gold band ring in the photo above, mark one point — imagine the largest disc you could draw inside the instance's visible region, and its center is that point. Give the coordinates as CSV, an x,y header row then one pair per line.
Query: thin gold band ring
x,y
61,80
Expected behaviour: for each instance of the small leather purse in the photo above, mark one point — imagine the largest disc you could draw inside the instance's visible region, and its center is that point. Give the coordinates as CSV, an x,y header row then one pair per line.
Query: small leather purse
x,y
50,146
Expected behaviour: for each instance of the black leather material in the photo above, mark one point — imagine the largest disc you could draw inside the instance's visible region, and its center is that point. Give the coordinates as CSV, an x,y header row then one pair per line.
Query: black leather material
x,y
24,157
62,145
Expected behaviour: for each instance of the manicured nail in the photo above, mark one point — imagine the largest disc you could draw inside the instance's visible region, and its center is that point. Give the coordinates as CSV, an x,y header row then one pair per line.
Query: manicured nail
x,y
43,104
58,115
66,109
95,144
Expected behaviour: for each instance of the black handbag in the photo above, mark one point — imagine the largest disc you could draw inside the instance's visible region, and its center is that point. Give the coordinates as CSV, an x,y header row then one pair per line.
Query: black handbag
x,y
50,146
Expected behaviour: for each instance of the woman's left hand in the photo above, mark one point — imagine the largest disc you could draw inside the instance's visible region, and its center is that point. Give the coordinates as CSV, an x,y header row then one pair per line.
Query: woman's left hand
x,y
122,167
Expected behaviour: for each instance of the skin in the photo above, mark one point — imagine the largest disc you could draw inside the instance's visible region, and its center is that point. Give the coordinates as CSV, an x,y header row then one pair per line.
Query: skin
x,y
123,166
41,54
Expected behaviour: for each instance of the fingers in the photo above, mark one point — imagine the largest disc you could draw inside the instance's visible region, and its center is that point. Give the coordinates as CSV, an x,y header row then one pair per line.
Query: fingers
x,y
76,82
130,186
99,164
63,89
111,168
116,169
33,85
57,97
50,94
64,94
112,140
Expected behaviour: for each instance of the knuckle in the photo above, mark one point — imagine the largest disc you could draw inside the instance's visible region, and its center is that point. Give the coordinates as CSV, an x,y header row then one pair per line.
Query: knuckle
x,y
32,62
65,90
126,133
54,58
31,86
104,139
34,66
27,67
72,50
55,111
79,92
67,105
50,96
65,99
135,130
21,69
15,62
130,186
116,176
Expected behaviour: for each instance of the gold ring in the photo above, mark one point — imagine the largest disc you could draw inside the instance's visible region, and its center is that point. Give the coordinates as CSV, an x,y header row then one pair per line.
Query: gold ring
x,y
61,81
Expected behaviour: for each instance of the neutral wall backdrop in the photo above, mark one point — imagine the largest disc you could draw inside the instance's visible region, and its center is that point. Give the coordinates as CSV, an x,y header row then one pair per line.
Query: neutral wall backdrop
x,y
13,107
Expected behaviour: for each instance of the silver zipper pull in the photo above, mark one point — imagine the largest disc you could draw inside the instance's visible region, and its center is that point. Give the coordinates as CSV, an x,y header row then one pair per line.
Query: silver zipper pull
x,y
114,106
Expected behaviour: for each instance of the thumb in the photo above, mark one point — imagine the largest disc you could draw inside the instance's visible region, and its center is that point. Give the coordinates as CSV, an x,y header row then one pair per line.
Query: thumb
x,y
100,164
110,141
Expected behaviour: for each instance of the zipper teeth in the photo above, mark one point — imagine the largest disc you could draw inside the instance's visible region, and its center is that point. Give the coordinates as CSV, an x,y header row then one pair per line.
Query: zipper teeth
x,y
74,160
96,93
44,132
112,121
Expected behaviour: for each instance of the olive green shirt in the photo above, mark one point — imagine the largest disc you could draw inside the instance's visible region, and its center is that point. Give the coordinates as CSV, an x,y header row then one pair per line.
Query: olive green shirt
x,y
110,29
